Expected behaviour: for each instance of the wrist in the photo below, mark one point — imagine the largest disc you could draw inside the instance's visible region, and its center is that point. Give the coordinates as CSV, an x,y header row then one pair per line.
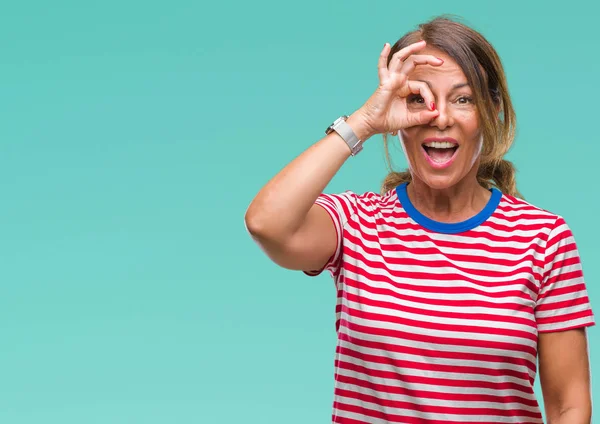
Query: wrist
x,y
360,127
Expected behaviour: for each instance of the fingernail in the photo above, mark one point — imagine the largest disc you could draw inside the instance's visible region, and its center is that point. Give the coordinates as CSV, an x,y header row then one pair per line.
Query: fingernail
x,y
441,59
432,106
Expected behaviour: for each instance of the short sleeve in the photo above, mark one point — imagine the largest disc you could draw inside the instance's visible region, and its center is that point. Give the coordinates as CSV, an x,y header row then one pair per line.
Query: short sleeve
x,y
340,207
562,302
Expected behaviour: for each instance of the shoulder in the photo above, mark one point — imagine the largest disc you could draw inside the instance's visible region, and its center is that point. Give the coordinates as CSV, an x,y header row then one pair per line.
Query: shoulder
x,y
368,201
521,212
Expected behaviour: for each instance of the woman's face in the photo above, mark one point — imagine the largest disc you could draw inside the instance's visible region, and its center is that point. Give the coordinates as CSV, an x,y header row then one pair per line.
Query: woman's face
x,y
443,152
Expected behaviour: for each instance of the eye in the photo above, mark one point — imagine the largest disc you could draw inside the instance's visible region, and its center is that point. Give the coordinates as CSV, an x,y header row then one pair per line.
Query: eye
x,y
416,98
463,100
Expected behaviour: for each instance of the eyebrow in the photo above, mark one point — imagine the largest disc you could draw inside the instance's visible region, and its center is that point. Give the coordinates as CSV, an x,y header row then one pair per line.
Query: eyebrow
x,y
454,87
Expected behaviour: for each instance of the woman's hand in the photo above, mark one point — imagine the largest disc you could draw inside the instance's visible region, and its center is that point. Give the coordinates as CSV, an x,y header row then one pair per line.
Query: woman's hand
x,y
387,111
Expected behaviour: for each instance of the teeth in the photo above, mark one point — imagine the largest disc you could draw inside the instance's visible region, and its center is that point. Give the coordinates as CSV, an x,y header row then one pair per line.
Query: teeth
x,y
440,144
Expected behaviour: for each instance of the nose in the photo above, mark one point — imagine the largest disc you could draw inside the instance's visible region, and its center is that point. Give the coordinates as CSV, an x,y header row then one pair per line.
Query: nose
x,y
444,118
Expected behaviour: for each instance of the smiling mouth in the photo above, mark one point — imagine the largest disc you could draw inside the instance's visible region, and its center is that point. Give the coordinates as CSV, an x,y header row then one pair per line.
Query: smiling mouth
x,y
440,154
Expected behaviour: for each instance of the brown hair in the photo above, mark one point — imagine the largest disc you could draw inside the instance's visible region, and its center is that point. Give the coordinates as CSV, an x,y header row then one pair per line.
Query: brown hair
x,y
485,74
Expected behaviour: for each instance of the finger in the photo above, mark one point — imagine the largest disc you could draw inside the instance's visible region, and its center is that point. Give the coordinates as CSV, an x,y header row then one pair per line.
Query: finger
x,y
382,68
399,57
421,118
421,88
413,61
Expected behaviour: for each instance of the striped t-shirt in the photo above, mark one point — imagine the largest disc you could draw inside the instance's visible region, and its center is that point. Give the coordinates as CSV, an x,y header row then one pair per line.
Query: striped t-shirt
x,y
438,322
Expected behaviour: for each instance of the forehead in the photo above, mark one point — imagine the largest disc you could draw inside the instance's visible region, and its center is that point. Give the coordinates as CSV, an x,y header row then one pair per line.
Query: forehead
x,y
446,75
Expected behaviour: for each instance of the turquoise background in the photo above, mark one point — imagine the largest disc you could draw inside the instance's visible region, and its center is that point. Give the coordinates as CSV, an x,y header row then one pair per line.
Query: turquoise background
x,y
135,134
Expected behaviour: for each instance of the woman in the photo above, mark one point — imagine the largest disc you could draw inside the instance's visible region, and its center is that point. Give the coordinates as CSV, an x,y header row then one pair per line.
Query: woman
x,y
449,285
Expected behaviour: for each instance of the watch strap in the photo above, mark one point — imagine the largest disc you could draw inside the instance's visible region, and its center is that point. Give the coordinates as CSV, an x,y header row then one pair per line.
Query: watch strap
x,y
345,131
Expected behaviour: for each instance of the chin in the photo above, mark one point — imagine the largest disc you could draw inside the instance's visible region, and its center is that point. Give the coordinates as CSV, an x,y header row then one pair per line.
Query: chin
x,y
439,181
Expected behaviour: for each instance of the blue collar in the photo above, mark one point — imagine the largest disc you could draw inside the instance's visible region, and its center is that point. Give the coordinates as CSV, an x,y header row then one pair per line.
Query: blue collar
x,y
445,227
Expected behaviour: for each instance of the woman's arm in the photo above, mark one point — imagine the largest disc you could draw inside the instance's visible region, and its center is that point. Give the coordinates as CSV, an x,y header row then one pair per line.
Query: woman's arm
x,y
565,376
283,218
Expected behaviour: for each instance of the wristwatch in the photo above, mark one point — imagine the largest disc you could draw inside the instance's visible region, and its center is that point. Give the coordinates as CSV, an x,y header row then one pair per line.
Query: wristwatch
x,y
343,129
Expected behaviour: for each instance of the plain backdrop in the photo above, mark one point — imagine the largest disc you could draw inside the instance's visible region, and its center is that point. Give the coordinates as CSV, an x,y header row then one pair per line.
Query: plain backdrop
x,y
133,137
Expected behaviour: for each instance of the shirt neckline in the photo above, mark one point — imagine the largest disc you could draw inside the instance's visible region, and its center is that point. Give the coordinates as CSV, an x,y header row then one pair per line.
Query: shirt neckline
x,y
445,227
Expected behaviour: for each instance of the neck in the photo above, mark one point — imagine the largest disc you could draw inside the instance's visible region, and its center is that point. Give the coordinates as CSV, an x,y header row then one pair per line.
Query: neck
x,y
453,204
